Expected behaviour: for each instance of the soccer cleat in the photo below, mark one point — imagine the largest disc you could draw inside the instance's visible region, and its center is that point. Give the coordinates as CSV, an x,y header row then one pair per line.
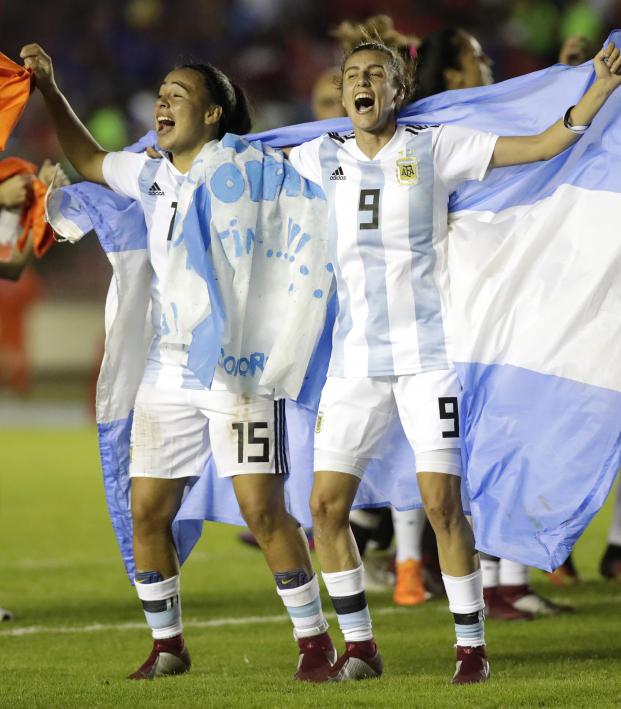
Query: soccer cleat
x,y
565,574
610,565
409,589
378,576
317,656
432,576
472,665
497,606
361,660
5,614
524,598
168,657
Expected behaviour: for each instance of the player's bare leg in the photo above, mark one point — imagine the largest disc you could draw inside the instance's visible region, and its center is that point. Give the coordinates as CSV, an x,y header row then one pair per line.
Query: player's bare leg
x,y
262,503
441,495
331,500
283,543
155,502
461,573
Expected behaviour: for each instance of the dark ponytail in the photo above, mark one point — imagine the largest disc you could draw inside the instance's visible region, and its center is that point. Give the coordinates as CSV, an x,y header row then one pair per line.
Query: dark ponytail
x,y
437,52
230,97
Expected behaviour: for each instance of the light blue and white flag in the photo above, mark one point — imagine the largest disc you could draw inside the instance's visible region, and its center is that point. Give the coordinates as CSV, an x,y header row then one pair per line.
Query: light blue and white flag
x,y
248,270
535,270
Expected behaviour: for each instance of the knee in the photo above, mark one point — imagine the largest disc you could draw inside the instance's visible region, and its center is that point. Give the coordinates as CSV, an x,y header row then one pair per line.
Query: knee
x,y
148,517
328,511
262,519
445,516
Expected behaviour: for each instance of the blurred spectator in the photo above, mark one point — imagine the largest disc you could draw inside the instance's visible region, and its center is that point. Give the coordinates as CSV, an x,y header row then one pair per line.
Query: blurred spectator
x,y
576,49
16,198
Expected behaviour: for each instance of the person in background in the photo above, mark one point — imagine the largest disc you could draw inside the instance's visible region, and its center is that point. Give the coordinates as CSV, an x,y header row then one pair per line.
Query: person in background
x,y
22,228
17,296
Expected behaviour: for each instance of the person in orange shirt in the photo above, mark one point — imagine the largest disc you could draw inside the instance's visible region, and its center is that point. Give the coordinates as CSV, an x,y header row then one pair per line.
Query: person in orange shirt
x,y
24,222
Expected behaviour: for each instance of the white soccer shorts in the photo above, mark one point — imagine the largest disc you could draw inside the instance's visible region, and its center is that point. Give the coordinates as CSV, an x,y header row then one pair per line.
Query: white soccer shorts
x,y
175,430
356,412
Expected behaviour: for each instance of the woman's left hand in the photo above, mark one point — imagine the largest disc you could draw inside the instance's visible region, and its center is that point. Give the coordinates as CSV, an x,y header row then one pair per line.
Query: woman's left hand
x,y
607,64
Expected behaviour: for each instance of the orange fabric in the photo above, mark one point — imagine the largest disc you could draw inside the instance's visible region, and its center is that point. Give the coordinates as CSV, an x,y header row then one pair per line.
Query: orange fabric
x,y
33,216
15,83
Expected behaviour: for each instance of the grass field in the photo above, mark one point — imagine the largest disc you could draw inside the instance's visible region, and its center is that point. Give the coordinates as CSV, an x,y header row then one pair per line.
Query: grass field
x,y
78,628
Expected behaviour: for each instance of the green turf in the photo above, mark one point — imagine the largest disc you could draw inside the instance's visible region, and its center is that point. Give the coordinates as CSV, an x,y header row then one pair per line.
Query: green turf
x,y
61,569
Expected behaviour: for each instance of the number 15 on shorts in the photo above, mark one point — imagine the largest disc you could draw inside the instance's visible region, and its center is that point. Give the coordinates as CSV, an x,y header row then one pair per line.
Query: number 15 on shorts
x,y
449,411
247,436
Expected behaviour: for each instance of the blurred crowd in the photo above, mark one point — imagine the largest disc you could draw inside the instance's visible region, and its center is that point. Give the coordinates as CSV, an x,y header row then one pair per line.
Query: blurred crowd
x,y
110,54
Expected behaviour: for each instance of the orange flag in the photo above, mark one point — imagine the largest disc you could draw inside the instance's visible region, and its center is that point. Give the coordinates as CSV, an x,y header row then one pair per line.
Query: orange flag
x,y
14,92
32,217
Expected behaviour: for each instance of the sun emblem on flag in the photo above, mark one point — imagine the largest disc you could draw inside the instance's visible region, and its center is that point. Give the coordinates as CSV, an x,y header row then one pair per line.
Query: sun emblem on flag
x,y
407,170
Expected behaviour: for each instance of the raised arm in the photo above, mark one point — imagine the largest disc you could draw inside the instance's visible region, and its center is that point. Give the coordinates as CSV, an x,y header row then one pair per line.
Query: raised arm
x,y
82,150
558,137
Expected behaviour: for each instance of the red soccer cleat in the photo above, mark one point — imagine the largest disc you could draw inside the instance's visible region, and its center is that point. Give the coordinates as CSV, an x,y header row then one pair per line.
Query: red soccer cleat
x,y
168,657
472,665
317,656
361,660
523,598
497,606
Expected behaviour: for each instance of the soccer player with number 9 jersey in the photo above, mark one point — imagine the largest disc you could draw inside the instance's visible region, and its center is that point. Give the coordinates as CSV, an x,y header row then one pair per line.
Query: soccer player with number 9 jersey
x,y
387,188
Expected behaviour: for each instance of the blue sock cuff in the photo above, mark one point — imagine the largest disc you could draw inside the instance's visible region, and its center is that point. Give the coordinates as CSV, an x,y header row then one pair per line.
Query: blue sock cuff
x,y
148,577
292,579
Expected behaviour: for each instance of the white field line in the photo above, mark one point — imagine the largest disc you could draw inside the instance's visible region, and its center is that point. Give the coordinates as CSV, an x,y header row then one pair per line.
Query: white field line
x,y
214,623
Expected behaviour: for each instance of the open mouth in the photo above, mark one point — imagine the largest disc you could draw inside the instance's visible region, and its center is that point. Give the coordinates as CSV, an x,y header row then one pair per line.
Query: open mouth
x,y
364,102
164,124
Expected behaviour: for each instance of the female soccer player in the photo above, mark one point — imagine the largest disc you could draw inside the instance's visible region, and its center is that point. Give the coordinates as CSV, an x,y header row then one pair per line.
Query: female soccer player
x,y
387,189
177,422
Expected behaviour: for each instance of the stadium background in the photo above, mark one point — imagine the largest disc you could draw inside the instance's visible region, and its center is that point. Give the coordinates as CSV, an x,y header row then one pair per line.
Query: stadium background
x,y
61,571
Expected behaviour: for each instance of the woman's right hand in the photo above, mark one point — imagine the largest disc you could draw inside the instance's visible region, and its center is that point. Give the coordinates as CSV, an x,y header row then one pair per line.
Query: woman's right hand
x,y
40,64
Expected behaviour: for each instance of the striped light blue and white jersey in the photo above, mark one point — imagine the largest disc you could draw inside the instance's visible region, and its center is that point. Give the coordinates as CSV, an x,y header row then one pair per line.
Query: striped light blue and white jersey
x,y
388,224
155,184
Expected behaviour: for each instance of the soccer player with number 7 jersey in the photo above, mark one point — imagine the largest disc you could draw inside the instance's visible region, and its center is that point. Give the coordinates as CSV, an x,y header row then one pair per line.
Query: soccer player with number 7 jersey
x,y
177,421
388,188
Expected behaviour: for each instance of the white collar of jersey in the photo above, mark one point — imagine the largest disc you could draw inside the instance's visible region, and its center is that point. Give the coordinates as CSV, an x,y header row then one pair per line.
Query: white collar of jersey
x,y
352,147
166,155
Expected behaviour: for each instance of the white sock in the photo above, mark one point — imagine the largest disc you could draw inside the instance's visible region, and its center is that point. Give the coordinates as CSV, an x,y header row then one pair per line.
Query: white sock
x,y
346,589
465,597
304,607
614,534
408,526
162,607
490,571
513,574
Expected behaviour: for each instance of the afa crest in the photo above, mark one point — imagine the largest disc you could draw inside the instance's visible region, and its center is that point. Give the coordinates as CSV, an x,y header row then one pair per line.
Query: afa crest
x,y
407,170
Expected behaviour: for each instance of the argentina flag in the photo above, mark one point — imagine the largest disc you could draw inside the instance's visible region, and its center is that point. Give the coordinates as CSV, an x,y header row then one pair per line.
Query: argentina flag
x,y
534,262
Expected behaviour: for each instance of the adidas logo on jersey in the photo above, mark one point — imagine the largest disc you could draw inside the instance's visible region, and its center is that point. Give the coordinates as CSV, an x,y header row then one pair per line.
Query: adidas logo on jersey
x,y
338,174
155,190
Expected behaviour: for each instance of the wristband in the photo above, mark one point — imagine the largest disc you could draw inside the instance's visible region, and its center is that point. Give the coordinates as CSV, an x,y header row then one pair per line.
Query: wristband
x,y
574,129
